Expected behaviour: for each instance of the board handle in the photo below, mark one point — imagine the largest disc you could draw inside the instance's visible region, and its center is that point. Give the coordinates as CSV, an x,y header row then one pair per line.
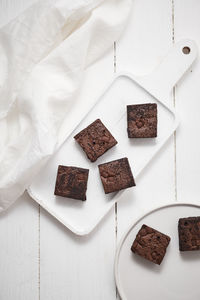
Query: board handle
x,y
179,59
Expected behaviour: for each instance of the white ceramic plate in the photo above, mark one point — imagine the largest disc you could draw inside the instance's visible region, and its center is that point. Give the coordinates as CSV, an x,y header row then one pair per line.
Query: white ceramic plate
x,y
177,278
110,107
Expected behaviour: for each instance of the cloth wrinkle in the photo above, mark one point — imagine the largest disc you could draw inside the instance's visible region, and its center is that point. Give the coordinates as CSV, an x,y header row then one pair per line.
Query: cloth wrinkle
x,y
44,55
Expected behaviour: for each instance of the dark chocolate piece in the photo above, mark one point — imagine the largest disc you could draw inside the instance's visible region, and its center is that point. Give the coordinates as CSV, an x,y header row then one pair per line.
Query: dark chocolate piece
x,y
116,175
95,140
150,244
142,120
71,182
189,233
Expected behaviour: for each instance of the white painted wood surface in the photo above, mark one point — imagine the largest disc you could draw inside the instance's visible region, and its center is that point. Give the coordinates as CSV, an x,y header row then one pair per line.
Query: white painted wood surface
x,y
41,259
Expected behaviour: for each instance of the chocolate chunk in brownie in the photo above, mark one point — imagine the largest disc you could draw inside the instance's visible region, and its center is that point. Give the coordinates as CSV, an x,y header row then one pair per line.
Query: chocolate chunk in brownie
x,y
150,244
142,120
71,182
116,175
95,140
189,233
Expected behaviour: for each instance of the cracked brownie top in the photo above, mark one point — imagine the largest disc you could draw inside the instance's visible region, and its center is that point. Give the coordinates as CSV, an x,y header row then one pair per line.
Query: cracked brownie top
x,y
150,244
142,120
189,233
95,140
116,175
71,182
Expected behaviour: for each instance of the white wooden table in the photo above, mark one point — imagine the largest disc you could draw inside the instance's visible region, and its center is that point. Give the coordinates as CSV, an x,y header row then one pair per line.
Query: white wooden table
x,y
40,258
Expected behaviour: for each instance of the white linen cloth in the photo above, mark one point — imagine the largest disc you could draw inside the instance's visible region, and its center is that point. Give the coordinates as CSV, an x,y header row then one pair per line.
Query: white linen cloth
x,y
43,53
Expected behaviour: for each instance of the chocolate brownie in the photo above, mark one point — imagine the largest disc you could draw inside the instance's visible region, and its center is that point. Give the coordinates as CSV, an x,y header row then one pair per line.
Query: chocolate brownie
x,y
142,120
150,244
71,182
95,140
116,175
189,233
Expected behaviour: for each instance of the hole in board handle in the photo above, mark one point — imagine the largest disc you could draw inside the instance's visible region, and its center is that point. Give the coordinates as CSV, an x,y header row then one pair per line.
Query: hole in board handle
x,y
186,50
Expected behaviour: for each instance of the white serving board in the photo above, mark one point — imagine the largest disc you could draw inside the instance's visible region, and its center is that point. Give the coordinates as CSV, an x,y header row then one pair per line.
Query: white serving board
x,y
82,217
176,278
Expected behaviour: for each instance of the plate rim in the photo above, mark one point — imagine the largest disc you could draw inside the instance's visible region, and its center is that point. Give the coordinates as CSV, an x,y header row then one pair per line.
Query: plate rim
x,y
130,227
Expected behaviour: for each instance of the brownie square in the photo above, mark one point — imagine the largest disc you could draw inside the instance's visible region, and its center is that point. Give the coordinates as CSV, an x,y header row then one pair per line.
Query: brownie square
x,y
142,120
116,175
150,244
71,182
189,233
95,140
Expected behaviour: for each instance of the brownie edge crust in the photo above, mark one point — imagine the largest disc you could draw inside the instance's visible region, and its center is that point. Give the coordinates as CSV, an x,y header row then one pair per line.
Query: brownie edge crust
x,y
150,244
71,182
